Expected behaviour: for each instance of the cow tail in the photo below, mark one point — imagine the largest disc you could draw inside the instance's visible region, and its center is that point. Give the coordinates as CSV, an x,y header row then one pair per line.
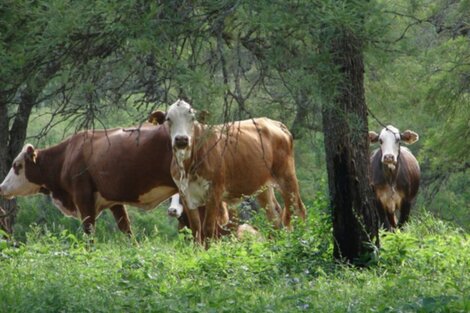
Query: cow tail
x,y
288,133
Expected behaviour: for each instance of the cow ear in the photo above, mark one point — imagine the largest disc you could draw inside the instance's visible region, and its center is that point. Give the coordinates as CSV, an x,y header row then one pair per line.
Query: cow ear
x,y
373,136
30,153
202,116
409,137
157,117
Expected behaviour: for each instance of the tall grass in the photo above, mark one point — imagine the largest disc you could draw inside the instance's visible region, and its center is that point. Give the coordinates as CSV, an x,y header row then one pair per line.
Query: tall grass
x,y
423,268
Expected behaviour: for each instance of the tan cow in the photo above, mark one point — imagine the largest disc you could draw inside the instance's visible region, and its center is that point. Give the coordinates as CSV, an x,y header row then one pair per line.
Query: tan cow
x,y
212,164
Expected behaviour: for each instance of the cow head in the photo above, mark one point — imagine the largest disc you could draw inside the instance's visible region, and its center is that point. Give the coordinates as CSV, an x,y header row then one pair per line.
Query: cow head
x,y
176,208
389,140
180,118
16,183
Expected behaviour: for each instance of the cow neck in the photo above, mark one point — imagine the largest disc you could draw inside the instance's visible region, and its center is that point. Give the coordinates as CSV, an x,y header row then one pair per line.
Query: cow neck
x,y
184,166
197,148
48,166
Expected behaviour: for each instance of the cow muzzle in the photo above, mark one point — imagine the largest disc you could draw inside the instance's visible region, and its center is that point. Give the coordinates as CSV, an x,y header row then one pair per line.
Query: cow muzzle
x,y
6,196
389,159
181,142
173,212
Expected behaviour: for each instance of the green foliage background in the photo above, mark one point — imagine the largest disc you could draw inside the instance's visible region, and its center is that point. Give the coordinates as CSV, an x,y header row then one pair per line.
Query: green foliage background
x,y
103,64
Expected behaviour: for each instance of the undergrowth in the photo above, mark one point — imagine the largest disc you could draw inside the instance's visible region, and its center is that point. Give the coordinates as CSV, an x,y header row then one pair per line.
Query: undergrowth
x,y
422,268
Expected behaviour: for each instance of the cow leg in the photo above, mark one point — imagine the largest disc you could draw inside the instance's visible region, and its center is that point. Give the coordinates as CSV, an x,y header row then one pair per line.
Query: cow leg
x,y
290,192
383,217
392,219
122,219
88,223
214,209
194,221
404,213
85,202
267,200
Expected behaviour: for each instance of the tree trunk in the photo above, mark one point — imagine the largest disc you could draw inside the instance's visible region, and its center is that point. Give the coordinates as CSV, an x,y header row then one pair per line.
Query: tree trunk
x,y
7,207
11,141
355,220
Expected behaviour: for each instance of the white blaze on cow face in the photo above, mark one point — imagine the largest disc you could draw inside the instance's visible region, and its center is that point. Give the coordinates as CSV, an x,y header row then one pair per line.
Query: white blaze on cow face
x,y
16,183
175,209
181,118
389,140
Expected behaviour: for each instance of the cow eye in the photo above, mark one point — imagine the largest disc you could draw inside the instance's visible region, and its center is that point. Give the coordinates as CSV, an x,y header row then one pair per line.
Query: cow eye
x,y
380,141
17,167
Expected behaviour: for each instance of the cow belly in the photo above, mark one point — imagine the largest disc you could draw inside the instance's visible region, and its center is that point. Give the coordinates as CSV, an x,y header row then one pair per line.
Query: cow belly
x,y
154,197
390,198
146,201
66,211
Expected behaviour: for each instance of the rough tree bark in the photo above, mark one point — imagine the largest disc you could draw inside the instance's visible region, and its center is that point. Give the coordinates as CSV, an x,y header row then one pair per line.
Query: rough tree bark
x,y
355,220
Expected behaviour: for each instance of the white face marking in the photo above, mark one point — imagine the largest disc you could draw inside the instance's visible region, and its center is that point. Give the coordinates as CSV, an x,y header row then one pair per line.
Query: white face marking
x,y
180,117
175,209
389,140
16,183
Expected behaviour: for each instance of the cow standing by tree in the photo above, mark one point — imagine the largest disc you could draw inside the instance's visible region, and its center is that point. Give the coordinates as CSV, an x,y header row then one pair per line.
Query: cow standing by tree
x,y
395,175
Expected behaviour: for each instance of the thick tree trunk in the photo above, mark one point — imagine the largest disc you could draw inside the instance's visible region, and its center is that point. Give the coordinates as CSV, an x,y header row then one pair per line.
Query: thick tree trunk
x,y
355,220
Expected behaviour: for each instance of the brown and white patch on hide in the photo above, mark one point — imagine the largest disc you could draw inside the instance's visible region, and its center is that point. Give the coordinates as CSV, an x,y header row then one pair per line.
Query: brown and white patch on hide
x,y
66,211
390,198
194,190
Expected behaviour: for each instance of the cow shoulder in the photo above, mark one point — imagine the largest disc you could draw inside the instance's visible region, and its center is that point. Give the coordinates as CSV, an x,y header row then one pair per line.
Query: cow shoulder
x,y
409,172
376,173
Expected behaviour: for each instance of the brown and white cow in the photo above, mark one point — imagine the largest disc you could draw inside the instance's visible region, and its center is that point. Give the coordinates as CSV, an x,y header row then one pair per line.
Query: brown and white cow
x,y
212,164
91,171
394,174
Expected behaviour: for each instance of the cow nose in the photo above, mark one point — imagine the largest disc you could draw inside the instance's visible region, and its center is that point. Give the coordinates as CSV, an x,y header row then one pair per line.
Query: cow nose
x,y
172,212
388,158
181,142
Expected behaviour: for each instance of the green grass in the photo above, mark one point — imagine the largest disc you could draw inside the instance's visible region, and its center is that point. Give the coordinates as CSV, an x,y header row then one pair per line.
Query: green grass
x,y
424,268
